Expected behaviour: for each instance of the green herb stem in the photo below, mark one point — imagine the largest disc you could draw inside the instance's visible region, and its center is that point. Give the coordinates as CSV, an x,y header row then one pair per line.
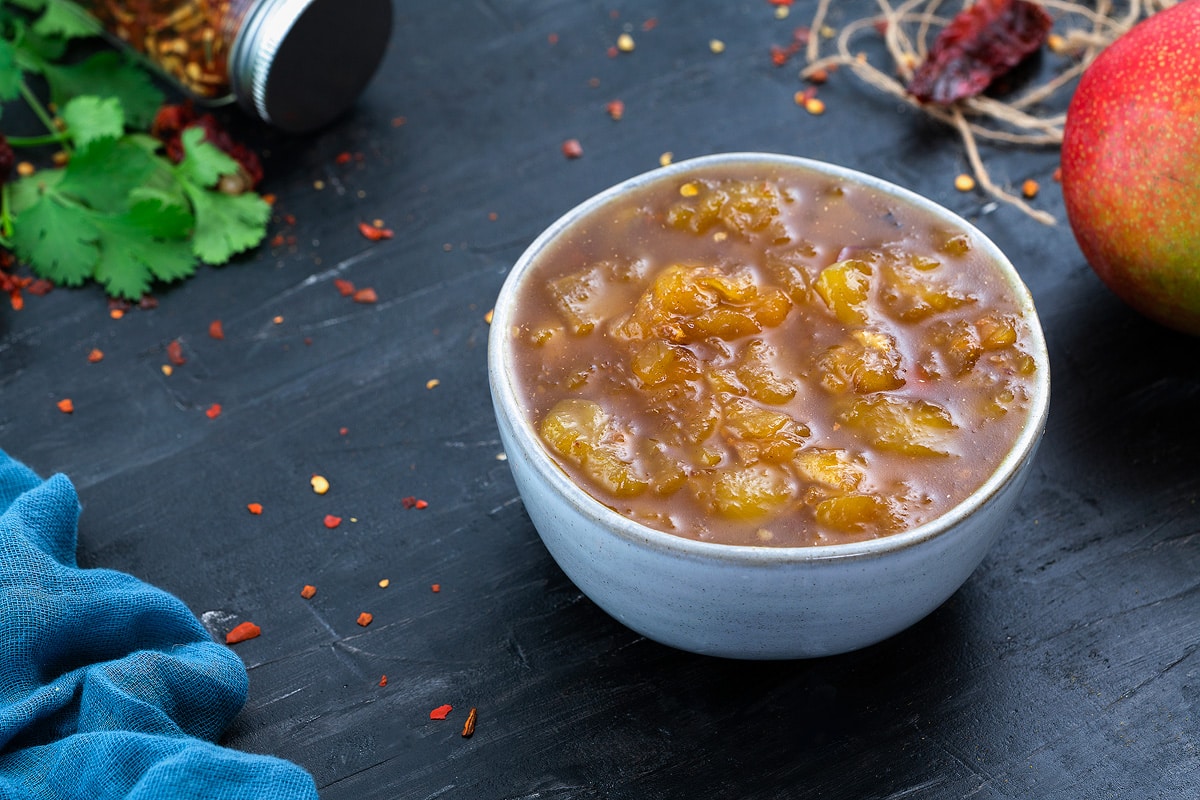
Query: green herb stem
x,y
43,114
38,141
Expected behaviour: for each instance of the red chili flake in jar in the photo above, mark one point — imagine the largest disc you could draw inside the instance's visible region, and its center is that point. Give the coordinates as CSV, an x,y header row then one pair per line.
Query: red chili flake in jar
x,y
364,619
308,592
254,508
616,109
175,353
345,288
366,295
96,356
332,522
571,148
374,232
213,411
66,406
247,630
441,712
216,330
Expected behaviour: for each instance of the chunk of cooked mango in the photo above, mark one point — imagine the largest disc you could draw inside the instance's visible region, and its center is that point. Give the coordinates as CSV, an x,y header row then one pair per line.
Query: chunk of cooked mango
x,y
657,362
901,425
857,513
757,372
831,467
912,295
845,287
582,432
869,362
750,492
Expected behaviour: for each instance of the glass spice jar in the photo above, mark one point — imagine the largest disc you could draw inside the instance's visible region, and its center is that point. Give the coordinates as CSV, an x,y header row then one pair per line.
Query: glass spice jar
x,y
296,64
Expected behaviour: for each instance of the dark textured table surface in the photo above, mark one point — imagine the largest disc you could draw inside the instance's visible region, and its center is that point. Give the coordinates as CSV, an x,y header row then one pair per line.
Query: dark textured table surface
x,y
1066,667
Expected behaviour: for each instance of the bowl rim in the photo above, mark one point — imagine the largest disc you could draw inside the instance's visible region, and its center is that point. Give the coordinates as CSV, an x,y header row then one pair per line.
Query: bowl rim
x,y
507,407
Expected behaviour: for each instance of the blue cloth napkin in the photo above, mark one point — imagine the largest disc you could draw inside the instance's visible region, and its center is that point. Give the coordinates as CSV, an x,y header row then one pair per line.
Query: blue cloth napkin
x,y
109,687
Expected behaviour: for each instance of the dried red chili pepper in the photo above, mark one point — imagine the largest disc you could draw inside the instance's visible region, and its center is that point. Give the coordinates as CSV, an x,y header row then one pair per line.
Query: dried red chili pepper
x,y
441,712
247,630
981,43
172,120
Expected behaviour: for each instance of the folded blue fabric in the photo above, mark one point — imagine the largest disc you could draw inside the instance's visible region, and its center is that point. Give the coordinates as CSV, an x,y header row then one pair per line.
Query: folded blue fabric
x,y
109,687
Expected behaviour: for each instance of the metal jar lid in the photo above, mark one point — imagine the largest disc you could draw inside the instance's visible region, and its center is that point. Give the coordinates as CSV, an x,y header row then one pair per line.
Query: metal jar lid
x,y
298,64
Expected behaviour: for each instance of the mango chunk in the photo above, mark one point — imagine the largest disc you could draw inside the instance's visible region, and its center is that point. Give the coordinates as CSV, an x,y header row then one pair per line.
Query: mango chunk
x,y
899,425
750,492
845,286
583,433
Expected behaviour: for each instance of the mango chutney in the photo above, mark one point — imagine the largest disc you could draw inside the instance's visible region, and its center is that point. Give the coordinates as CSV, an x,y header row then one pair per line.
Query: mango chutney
x,y
754,355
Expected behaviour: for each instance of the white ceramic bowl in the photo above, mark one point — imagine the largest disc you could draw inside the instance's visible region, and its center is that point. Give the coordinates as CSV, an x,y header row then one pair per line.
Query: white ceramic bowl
x,y
743,601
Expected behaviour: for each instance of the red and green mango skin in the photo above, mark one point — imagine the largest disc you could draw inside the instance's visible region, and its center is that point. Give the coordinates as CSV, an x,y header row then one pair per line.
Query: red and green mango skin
x,y
1131,166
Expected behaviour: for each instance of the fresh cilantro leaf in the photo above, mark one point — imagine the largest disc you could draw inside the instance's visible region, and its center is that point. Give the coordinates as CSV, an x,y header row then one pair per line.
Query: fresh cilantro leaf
x,y
131,257
90,119
67,20
27,191
203,162
10,73
103,175
58,238
107,74
226,224
161,213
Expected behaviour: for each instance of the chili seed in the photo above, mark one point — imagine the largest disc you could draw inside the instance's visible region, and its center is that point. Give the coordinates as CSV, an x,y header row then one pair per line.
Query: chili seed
x,y
964,182
319,484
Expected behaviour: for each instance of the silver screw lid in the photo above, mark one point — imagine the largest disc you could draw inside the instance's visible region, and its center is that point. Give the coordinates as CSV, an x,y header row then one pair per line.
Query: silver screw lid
x,y
298,64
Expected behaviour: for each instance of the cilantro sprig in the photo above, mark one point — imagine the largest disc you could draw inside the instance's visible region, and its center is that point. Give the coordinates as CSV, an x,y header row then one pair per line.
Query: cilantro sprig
x,y
119,212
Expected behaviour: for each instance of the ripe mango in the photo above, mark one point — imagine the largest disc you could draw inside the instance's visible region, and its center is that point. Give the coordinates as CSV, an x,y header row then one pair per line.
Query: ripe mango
x,y
1131,166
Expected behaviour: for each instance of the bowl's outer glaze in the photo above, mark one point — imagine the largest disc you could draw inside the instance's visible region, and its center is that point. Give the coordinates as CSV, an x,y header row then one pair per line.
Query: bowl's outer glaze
x,y
755,602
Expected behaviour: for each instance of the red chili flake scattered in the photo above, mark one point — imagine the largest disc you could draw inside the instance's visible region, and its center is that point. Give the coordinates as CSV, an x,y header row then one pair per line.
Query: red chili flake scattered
x,y
399,122
469,726
781,55
441,712
571,148
345,288
308,592
435,588
277,240
373,232
366,295
650,24
615,109
552,38
40,287
408,502
254,508
612,51
147,302
247,630
420,504
172,120
780,2
66,405
95,356
213,411
383,680
982,42
364,619
343,431
343,158
216,330
332,522
493,216
175,353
